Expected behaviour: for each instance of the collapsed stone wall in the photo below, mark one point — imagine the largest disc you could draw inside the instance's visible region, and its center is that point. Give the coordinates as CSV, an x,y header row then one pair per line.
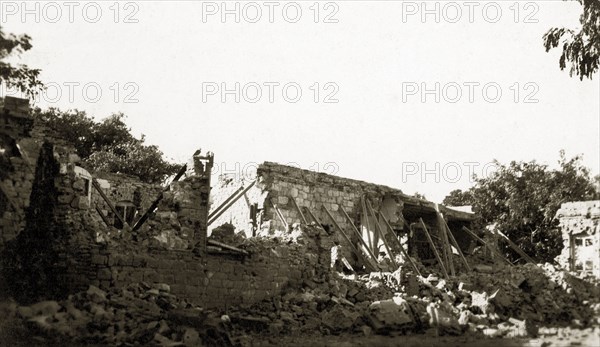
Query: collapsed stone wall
x,y
278,184
21,139
64,248
580,226
124,192
218,280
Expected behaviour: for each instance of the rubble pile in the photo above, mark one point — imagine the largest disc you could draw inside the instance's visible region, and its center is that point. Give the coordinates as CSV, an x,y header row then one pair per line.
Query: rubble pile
x,y
501,302
136,315
508,302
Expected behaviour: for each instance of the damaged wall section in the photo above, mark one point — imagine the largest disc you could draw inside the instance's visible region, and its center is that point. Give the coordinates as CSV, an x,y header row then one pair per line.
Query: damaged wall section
x,y
65,247
279,185
580,226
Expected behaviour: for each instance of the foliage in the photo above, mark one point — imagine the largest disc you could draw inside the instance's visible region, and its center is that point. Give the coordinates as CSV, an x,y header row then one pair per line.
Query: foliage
x,y
108,145
581,48
522,199
458,198
18,76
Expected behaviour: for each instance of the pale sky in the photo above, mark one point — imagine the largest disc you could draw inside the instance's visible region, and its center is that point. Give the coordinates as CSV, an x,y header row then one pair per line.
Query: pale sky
x,y
371,53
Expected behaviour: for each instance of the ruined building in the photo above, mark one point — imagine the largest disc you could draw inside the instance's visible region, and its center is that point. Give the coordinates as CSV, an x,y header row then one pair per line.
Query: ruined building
x,y
580,226
109,230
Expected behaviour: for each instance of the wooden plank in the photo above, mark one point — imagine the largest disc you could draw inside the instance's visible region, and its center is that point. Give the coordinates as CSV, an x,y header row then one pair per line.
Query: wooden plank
x,y
347,264
437,255
226,246
455,244
110,205
366,261
378,228
233,201
280,215
299,210
313,216
404,253
517,248
104,219
447,247
492,250
366,219
362,241
154,204
224,203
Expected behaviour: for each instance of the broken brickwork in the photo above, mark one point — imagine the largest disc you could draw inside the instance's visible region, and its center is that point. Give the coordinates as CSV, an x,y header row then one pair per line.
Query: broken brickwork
x,y
580,226
255,213
21,140
65,246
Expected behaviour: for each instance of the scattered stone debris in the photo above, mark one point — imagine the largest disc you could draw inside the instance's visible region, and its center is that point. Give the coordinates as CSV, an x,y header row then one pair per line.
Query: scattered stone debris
x,y
508,302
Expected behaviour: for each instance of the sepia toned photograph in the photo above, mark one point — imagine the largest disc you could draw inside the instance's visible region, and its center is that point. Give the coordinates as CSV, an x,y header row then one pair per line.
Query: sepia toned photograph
x,y
348,173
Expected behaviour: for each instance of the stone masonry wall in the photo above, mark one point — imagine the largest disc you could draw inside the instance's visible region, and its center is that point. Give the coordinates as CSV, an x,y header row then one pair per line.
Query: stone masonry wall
x,y
580,226
217,280
278,184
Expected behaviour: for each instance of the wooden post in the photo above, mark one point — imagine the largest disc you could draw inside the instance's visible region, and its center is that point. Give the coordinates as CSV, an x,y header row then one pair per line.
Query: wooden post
x,y
104,219
455,244
312,216
233,201
302,218
279,214
492,250
370,266
517,249
110,205
233,195
437,255
366,218
446,248
404,253
380,232
154,204
357,234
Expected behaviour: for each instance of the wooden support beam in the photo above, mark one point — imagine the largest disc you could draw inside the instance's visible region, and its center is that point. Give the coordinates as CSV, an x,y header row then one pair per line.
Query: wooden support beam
x,y
233,201
110,205
362,241
312,216
226,246
154,204
368,227
492,250
299,210
437,255
366,261
280,215
447,248
380,232
104,219
233,195
517,248
404,253
455,244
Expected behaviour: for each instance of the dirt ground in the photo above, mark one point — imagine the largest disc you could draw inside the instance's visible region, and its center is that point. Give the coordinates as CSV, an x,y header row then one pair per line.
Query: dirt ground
x,y
565,337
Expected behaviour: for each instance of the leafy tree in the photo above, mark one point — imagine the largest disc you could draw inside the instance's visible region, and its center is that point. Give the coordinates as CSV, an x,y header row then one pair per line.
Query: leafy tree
x,y
18,76
581,48
458,197
133,158
522,199
108,145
